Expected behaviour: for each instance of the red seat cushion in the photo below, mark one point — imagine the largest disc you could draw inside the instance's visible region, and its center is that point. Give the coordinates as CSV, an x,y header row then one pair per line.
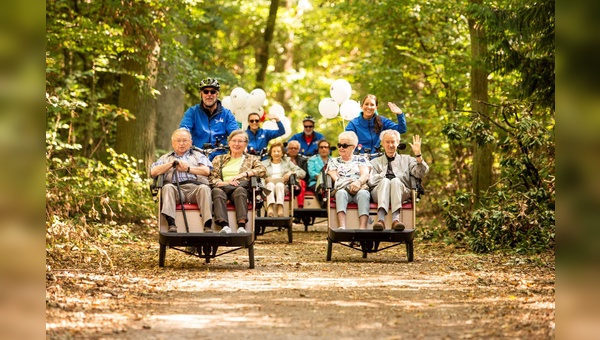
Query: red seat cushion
x,y
187,206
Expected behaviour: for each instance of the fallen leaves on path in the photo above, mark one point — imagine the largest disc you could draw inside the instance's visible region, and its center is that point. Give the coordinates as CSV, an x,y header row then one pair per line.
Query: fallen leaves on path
x,y
293,293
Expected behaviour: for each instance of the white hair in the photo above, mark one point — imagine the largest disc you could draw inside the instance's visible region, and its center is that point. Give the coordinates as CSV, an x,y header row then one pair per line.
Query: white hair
x,y
350,135
395,133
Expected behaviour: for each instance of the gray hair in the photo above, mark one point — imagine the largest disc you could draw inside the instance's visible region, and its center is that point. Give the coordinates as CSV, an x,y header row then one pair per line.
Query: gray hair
x,y
237,132
349,135
384,133
293,142
181,130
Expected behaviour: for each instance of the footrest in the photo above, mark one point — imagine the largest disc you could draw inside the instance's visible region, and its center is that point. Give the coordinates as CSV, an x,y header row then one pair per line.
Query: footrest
x,y
283,221
301,213
349,235
211,239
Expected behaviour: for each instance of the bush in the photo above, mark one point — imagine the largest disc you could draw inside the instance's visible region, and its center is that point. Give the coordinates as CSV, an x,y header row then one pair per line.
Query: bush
x,y
82,191
517,212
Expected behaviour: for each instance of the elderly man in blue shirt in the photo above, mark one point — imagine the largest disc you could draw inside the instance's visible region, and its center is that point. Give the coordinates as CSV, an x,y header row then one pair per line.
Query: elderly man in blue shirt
x,y
191,168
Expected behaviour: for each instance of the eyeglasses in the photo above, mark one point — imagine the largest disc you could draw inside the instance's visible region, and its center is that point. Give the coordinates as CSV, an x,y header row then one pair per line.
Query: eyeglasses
x,y
309,126
237,141
323,147
180,140
254,120
209,91
343,146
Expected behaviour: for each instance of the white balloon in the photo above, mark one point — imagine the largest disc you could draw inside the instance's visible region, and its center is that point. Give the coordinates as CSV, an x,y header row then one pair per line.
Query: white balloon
x,y
328,108
350,109
241,114
270,125
257,97
340,90
277,110
239,97
227,103
260,110
287,124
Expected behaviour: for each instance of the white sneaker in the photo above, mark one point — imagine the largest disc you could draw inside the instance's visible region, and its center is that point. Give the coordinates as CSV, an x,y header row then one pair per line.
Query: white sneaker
x,y
225,230
242,230
342,227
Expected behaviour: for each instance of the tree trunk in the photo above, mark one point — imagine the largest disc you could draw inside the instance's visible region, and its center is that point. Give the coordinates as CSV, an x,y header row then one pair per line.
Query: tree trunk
x,y
482,155
263,54
135,137
170,104
286,63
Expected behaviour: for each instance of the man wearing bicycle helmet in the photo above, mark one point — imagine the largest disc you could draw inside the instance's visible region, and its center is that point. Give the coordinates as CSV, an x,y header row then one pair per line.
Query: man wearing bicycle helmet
x,y
209,121
308,138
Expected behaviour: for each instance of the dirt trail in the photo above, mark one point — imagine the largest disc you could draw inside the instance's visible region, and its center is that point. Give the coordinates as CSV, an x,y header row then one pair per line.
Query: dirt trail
x,y
293,293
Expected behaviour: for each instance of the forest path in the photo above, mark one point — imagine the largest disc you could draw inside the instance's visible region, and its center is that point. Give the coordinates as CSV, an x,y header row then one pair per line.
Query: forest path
x,y
293,293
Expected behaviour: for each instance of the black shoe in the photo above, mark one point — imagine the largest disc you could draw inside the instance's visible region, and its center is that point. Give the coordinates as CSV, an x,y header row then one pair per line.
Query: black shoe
x,y
171,224
208,226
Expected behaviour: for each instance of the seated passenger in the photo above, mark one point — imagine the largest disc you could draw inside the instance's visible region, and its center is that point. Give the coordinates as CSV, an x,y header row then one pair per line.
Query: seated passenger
x,y
350,173
192,168
229,178
279,170
293,149
316,164
390,177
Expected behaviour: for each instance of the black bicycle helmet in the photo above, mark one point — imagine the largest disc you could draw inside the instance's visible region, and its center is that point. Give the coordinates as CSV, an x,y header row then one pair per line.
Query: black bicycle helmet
x,y
308,118
210,82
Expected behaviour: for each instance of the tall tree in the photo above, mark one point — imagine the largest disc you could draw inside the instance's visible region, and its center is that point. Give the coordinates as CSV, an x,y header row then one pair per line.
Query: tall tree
x,y
170,104
263,50
482,157
135,137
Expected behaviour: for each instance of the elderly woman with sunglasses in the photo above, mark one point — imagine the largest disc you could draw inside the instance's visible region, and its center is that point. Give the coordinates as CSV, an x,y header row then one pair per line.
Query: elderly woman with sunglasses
x,y
258,138
350,173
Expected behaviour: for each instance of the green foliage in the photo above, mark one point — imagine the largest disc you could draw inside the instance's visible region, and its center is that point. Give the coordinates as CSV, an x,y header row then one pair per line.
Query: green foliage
x,y
518,211
521,37
88,190
413,53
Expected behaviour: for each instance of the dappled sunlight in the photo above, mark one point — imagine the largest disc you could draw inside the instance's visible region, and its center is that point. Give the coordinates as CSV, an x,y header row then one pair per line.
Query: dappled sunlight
x,y
293,289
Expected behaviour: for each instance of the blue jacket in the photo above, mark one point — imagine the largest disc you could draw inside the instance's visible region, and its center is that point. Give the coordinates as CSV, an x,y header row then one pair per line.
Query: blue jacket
x,y
259,140
209,130
308,149
315,165
365,129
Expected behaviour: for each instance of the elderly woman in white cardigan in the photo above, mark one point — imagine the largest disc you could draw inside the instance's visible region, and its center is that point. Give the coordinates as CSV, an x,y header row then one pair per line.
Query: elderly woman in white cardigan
x,y
279,170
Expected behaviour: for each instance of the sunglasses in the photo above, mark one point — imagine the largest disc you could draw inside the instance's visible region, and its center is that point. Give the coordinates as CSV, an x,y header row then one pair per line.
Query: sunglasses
x,y
343,146
309,126
209,91
254,120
